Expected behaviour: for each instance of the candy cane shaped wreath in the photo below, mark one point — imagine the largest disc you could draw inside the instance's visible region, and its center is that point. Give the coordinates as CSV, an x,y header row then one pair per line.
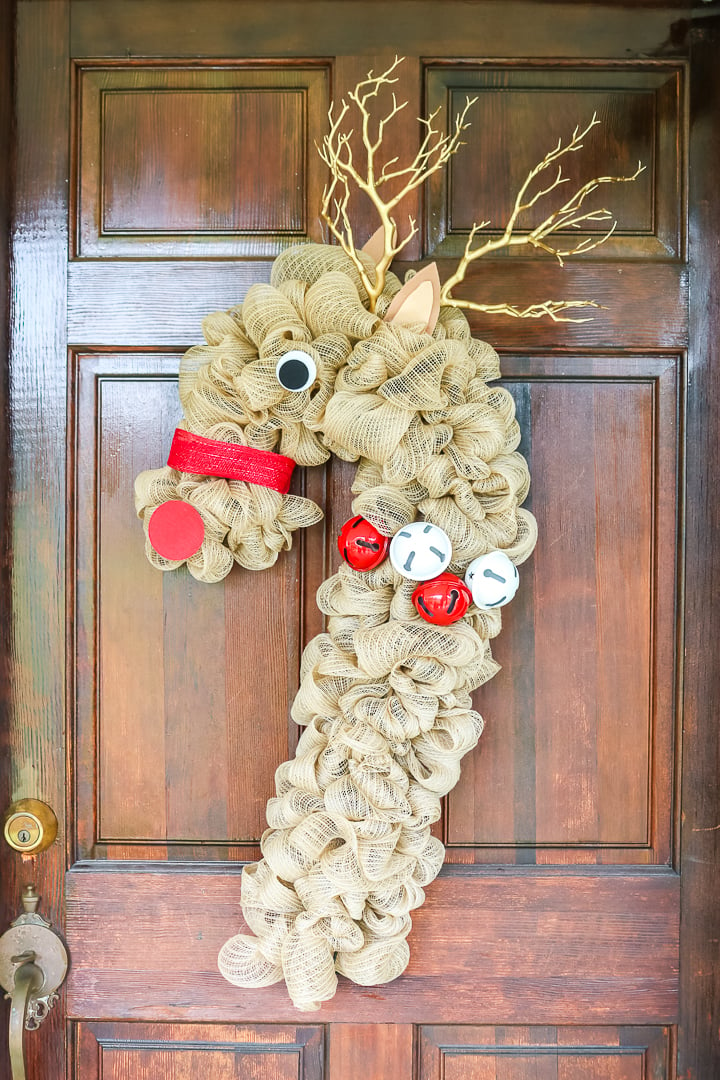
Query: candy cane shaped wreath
x,y
336,356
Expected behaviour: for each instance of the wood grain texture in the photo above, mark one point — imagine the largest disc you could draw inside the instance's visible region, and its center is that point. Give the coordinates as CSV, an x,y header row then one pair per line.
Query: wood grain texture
x,y
167,158
540,945
180,722
164,135
640,109
563,947
218,29
33,691
163,304
699,1034
370,1052
552,1053
186,1051
202,751
7,52
580,723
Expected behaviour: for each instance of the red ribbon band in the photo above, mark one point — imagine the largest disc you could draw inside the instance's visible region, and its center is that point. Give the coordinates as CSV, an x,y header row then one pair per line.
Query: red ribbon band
x,y
195,454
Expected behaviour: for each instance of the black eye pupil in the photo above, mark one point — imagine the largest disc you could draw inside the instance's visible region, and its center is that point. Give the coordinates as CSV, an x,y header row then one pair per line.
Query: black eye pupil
x,y
293,374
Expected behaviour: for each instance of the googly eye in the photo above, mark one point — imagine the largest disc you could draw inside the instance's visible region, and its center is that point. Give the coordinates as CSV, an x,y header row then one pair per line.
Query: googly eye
x,y
296,370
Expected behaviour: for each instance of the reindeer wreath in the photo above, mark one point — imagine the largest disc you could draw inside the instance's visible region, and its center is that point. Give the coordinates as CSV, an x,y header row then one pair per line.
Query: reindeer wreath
x,y
336,356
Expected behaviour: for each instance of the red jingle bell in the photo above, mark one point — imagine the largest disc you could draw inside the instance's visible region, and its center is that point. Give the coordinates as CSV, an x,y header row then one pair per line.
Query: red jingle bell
x,y
442,600
361,545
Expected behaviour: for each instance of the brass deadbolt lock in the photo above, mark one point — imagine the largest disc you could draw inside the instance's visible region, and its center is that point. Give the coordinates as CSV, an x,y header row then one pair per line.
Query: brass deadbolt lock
x,y
30,826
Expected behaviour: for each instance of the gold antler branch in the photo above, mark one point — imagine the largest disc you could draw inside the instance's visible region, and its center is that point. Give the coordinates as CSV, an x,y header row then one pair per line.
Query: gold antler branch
x,y
569,215
336,151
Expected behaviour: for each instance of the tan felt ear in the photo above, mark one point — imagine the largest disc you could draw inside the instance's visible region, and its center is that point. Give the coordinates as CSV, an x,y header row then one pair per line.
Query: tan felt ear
x,y
375,246
418,301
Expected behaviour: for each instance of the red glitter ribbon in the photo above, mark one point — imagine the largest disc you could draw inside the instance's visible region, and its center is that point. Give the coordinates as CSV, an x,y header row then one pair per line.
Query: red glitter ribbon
x,y
195,454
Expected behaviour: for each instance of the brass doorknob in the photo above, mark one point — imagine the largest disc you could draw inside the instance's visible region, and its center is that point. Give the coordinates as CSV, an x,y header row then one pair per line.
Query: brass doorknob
x,y
30,826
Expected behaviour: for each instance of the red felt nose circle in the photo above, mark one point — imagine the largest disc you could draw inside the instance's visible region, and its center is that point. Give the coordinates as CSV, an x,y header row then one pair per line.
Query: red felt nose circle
x,y
176,530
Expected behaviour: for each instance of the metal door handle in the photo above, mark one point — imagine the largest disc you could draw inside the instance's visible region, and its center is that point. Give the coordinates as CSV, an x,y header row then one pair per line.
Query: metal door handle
x,y
28,978
33,964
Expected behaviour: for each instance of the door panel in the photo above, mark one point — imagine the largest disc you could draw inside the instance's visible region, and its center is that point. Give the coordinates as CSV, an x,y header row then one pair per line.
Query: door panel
x,y
549,944
163,168
562,946
185,1051
470,1053
641,107
174,753
170,753
576,766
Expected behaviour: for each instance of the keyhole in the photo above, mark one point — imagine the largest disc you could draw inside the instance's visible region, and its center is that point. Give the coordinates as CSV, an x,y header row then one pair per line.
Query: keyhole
x,y
23,836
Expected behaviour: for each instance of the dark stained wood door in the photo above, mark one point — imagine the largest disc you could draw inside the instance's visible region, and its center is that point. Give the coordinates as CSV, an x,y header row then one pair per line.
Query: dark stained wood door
x,y
164,155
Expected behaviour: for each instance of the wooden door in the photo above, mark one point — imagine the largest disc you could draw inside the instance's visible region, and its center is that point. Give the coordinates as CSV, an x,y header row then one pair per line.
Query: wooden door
x,y
163,156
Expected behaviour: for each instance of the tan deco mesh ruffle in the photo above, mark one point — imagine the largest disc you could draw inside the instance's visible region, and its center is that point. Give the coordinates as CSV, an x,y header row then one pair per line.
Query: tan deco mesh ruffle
x,y
385,696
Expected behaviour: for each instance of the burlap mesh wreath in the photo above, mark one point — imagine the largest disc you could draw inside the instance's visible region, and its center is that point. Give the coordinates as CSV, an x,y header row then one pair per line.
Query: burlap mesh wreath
x,y
385,696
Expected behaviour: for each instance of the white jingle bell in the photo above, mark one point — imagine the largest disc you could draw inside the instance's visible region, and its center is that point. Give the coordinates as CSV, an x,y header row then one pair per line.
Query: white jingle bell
x,y
420,551
492,579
